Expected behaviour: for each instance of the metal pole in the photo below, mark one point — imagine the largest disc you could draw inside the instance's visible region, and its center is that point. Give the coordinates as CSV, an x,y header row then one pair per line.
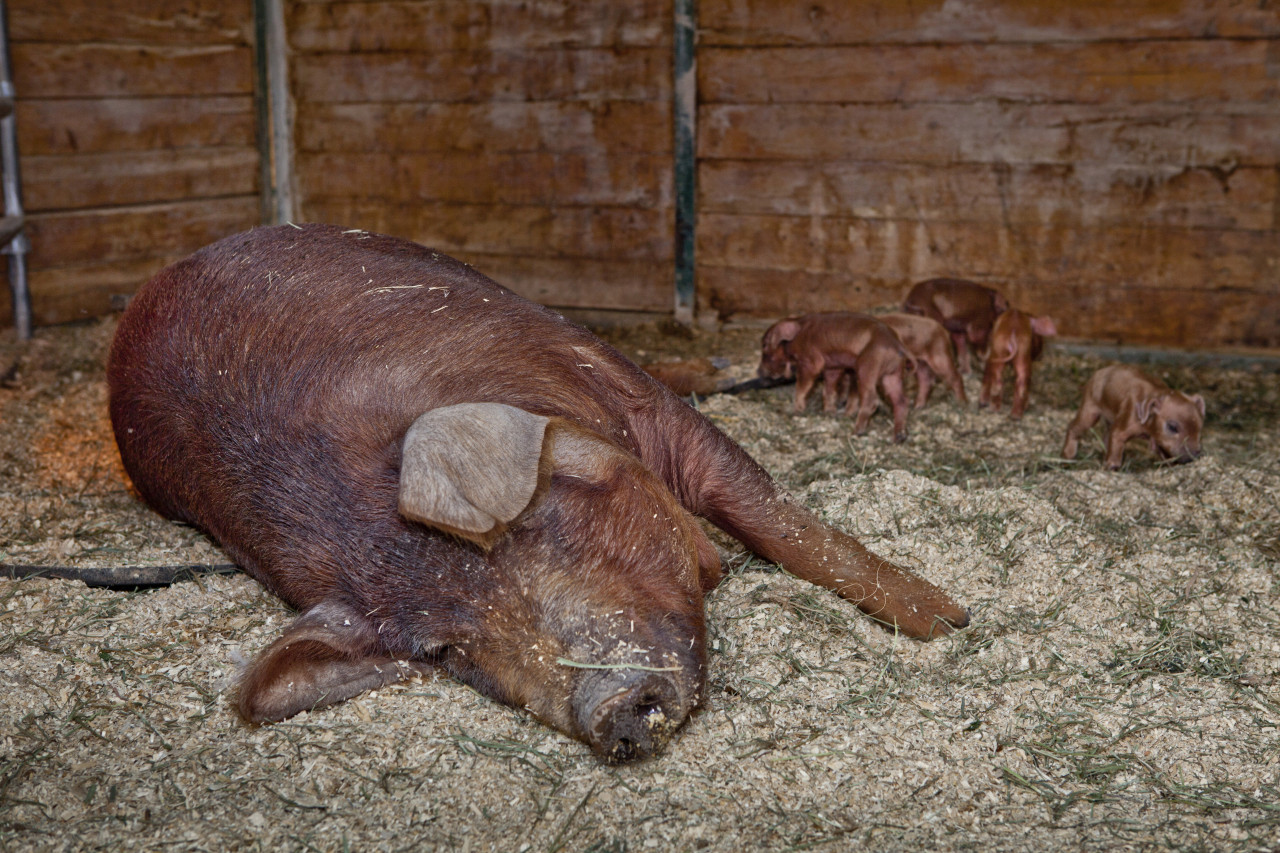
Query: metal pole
x,y
16,245
685,106
275,125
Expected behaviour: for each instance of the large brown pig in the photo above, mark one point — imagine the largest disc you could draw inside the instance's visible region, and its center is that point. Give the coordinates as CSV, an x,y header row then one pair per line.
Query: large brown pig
x,y
435,471
967,310
928,343
1017,338
830,343
1135,405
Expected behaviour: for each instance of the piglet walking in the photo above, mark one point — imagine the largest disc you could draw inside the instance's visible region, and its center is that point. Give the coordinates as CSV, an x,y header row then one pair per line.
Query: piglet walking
x,y
1135,405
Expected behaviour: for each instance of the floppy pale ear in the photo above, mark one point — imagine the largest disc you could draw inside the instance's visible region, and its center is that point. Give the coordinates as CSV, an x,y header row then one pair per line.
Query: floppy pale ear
x,y
470,469
1147,406
1198,401
326,656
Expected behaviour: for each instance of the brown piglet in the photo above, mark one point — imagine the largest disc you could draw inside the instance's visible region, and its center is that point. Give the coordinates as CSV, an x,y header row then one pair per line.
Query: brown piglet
x,y
928,343
1134,405
830,343
437,472
965,308
1017,338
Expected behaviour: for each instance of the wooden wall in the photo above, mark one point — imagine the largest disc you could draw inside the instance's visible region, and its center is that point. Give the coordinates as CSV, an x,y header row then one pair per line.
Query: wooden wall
x,y
136,132
532,140
1113,164
1116,165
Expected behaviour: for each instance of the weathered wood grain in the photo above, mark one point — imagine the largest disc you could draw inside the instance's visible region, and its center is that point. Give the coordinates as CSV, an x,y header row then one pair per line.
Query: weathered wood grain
x,y
497,126
106,235
622,233
635,74
132,21
537,178
468,25
898,250
584,283
828,22
1075,195
992,132
108,71
1109,72
97,125
138,177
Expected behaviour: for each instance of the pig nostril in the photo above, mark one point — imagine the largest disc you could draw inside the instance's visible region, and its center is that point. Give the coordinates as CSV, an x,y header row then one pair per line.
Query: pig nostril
x,y
623,750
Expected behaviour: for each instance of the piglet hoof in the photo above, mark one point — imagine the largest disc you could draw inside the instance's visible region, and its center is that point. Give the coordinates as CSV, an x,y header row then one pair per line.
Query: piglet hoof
x,y
899,437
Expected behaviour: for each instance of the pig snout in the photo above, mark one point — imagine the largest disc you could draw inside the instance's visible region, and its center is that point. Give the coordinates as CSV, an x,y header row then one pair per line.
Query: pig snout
x,y
629,714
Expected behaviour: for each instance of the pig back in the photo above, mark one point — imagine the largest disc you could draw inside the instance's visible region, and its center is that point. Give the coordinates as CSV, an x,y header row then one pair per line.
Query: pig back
x,y
263,386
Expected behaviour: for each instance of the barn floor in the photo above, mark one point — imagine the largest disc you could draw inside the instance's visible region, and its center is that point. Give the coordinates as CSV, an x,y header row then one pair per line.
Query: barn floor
x,y
1117,690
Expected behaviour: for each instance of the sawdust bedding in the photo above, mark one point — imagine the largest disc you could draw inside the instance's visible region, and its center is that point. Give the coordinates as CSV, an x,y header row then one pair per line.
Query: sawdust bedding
x,y
1117,688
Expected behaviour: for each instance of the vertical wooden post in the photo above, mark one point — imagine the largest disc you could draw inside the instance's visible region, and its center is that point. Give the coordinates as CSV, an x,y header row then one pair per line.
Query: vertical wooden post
x,y
685,106
275,125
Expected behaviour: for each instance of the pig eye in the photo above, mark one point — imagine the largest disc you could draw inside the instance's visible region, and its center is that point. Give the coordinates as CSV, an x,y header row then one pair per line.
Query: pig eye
x,y
1171,427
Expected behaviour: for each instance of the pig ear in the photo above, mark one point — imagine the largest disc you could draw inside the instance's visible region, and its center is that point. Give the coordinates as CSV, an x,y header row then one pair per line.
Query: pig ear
x,y
1148,406
1198,401
1044,326
787,329
470,469
327,655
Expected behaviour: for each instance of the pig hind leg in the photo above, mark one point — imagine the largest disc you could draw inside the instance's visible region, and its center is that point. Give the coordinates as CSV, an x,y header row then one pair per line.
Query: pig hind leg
x,y
1083,422
868,398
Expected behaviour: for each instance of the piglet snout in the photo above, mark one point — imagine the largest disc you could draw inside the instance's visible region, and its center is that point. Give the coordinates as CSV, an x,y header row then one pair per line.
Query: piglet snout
x,y
629,714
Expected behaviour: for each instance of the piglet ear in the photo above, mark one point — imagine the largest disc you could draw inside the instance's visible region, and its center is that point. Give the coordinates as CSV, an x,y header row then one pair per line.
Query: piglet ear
x,y
470,469
1198,402
1148,406
327,655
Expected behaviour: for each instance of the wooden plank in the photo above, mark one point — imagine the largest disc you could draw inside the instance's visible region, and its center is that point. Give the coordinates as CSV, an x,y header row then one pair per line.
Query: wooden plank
x,y
136,233
1083,195
635,74
133,21
98,125
498,126
137,177
468,25
108,71
1213,70
1158,316
831,22
69,293
568,232
905,250
537,178
992,133
609,285
1087,308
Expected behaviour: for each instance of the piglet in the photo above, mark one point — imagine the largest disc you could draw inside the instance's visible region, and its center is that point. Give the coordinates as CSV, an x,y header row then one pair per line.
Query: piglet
x,y
1135,405
437,472
829,344
1016,338
966,309
928,343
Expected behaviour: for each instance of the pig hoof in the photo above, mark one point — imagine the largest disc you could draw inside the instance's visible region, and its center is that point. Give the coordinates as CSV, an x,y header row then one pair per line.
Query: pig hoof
x,y
899,437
